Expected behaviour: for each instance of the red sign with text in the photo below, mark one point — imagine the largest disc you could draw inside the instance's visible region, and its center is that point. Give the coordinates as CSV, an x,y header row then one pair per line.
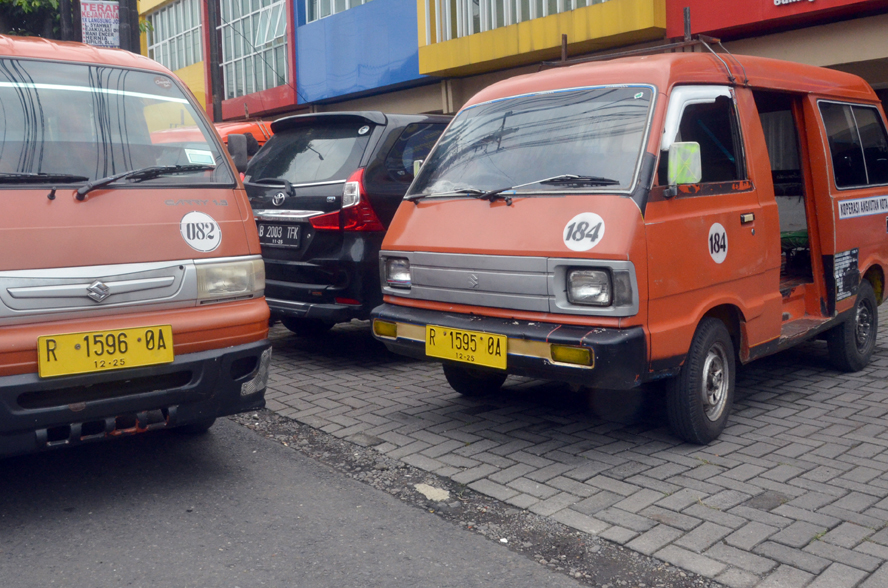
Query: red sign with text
x,y
713,16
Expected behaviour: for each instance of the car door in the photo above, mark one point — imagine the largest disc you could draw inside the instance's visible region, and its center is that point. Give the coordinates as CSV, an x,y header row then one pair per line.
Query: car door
x,y
709,244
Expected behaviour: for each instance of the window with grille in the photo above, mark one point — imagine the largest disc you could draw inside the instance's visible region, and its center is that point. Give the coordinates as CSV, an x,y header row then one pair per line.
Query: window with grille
x,y
174,35
317,9
254,45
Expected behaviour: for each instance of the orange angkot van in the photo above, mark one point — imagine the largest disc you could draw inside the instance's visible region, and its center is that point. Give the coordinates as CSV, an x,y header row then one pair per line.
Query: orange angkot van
x,y
131,281
651,217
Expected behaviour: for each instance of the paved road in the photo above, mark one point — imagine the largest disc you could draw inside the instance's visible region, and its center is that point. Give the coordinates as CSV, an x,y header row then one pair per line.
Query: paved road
x,y
222,510
793,494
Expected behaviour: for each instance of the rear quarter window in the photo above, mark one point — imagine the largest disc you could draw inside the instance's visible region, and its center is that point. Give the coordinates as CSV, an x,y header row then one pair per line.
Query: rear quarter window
x,y
414,143
858,144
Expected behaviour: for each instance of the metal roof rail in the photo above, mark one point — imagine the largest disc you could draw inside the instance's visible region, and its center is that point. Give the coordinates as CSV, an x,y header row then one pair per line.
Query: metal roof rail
x,y
688,41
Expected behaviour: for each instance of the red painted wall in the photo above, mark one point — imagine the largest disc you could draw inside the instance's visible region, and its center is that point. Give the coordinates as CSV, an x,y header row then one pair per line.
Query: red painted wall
x,y
716,17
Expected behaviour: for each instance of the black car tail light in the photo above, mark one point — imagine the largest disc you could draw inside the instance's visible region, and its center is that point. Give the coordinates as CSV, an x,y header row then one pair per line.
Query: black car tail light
x,y
356,214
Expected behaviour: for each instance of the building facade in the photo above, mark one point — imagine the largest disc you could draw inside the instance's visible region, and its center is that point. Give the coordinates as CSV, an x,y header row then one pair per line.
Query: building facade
x,y
430,56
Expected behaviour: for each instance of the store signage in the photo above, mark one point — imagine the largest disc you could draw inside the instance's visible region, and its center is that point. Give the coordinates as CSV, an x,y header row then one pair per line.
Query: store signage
x,y
100,23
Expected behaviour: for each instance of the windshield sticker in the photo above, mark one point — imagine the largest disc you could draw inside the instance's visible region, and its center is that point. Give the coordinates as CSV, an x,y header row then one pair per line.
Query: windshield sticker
x,y
92,90
200,156
200,231
584,231
863,206
718,243
162,82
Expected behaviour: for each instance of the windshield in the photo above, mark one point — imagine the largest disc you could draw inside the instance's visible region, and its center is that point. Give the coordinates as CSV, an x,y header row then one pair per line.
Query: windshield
x,y
593,134
320,152
94,121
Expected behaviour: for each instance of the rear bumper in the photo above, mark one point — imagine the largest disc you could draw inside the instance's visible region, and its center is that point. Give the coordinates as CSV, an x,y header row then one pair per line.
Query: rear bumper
x,y
38,414
620,354
328,313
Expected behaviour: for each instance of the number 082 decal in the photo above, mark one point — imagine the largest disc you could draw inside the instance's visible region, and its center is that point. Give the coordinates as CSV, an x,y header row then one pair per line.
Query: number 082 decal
x,y
200,231
583,232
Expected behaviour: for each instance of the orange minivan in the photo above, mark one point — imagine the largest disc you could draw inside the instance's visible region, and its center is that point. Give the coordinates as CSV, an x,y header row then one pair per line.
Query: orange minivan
x,y
131,281
651,217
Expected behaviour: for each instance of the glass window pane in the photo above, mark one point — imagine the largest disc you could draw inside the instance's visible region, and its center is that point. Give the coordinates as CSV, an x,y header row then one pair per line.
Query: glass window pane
x,y
229,81
844,145
239,78
338,6
269,69
195,13
279,18
238,39
248,74
189,49
180,48
198,49
280,64
875,143
552,7
325,8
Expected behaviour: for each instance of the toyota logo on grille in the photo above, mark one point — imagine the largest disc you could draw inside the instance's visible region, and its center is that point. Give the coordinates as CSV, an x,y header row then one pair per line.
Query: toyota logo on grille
x,y
98,291
278,198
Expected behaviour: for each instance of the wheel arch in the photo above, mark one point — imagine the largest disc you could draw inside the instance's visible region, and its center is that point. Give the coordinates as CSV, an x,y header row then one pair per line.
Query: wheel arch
x,y
732,317
875,275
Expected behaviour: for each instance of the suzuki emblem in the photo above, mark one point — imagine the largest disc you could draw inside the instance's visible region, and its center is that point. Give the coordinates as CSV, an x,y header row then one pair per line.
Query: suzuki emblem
x,y
98,291
473,281
278,198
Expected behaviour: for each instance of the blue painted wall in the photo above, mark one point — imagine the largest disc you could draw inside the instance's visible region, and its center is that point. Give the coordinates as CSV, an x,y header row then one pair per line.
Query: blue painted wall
x,y
367,47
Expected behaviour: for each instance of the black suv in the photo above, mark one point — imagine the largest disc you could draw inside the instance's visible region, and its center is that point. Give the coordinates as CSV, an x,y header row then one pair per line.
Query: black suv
x,y
324,189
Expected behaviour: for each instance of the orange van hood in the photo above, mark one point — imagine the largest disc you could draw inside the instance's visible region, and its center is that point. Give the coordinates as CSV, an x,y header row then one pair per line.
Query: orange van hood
x,y
117,225
530,226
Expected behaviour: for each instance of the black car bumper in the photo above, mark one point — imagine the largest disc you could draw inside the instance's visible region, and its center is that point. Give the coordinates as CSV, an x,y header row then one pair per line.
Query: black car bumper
x,y
38,413
620,355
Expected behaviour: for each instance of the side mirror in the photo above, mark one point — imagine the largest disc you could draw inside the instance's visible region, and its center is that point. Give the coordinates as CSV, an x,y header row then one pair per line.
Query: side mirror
x,y
684,165
417,163
237,148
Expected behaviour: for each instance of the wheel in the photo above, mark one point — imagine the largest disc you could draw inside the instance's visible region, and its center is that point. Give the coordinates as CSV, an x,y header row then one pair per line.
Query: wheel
x,y
196,428
699,400
306,327
851,343
471,381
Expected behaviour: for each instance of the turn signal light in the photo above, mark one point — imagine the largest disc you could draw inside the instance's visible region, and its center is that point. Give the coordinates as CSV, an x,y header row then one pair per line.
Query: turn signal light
x,y
575,355
385,329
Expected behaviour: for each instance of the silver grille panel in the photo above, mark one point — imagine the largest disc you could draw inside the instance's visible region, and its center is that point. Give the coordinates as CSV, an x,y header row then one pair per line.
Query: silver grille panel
x,y
58,293
535,284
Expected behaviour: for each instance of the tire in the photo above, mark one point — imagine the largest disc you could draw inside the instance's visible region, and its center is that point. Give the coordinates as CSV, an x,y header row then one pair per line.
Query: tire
x,y
471,381
699,400
851,344
196,428
306,327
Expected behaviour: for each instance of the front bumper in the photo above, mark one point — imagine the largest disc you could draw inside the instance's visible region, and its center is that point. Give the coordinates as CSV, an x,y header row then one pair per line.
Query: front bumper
x,y
38,414
620,354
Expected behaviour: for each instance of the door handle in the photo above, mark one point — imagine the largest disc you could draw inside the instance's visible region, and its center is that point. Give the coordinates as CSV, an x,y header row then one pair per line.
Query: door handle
x,y
746,218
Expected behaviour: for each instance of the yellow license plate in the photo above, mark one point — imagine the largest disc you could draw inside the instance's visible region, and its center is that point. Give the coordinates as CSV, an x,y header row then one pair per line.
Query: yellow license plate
x,y
99,351
466,346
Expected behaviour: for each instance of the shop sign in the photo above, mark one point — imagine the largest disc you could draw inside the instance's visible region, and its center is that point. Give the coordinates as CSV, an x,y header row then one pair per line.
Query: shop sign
x,y
100,23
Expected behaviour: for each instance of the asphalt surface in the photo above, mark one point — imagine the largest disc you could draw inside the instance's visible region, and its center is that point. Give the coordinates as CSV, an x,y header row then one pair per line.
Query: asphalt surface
x,y
229,508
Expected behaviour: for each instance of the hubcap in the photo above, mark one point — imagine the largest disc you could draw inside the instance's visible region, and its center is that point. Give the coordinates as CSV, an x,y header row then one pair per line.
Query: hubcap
x,y
864,325
715,382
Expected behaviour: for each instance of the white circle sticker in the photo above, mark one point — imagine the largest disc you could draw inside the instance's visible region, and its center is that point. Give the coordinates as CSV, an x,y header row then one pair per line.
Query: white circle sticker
x,y
583,232
718,243
200,231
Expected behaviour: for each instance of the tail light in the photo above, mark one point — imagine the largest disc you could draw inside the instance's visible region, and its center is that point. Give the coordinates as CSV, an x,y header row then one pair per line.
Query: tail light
x,y
356,213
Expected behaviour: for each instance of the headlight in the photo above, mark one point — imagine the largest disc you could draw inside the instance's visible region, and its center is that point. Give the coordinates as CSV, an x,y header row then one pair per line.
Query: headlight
x,y
397,272
591,287
230,280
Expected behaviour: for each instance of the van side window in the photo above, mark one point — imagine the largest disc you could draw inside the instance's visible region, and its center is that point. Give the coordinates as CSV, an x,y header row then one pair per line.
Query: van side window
x,y
857,144
415,142
714,126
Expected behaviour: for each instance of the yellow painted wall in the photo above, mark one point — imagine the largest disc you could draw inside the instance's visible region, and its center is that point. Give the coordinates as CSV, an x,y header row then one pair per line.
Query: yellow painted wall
x,y
592,28
193,76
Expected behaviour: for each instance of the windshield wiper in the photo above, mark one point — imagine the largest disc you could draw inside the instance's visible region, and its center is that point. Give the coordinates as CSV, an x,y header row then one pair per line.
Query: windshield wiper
x,y
40,177
145,173
581,180
492,195
274,182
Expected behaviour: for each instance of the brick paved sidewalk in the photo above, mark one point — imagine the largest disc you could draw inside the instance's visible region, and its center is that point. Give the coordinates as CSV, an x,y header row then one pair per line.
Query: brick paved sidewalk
x,y
794,492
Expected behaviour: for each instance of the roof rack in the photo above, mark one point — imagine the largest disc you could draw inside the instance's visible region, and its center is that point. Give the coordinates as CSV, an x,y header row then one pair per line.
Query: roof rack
x,y
688,41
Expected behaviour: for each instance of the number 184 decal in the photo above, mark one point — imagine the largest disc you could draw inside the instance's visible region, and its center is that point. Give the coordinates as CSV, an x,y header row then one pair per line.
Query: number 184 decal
x,y
583,232
718,243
